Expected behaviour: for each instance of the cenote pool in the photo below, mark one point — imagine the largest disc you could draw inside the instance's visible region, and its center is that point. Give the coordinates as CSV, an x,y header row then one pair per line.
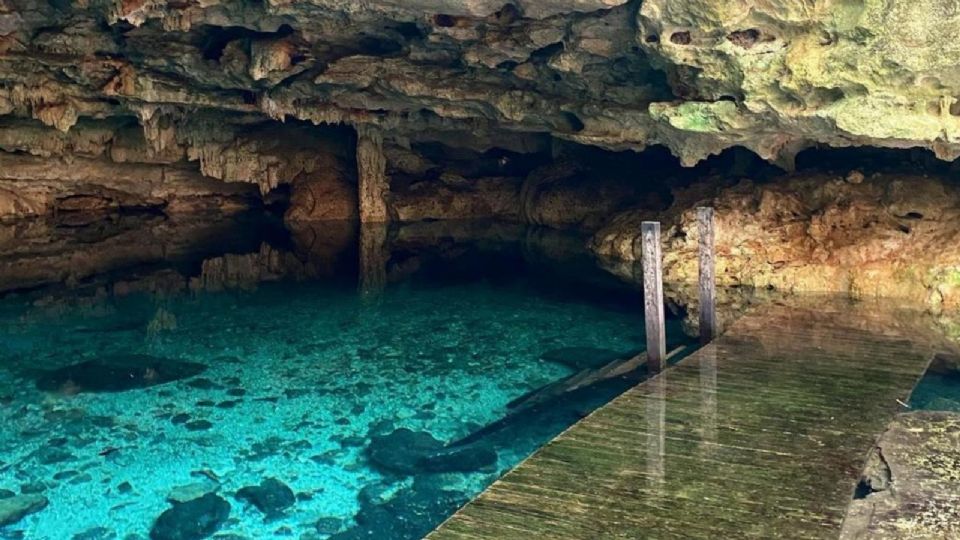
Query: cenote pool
x,y
268,391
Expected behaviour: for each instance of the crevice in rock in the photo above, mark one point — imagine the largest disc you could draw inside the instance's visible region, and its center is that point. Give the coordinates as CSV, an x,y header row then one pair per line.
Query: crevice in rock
x,y
877,476
746,39
681,38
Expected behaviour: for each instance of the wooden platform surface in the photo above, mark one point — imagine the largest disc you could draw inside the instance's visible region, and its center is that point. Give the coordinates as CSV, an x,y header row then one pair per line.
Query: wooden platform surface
x,y
761,434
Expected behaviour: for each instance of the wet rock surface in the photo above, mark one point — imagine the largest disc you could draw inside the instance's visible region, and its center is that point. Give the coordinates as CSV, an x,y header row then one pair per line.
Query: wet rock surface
x,y
611,73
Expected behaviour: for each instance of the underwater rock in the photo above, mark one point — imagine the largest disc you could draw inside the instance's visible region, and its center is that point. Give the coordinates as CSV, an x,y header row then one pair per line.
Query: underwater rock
x,y
117,374
271,497
401,517
13,509
194,490
198,425
401,450
192,520
411,452
328,525
50,455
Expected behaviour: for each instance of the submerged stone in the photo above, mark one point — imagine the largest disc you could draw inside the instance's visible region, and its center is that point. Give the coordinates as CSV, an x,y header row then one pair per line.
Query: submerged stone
x,y
401,517
271,497
117,374
50,455
401,450
329,525
198,425
194,490
13,509
192,520
411,452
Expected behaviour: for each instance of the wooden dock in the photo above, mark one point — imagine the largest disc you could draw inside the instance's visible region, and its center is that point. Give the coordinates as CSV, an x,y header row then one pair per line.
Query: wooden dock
x,y
762,433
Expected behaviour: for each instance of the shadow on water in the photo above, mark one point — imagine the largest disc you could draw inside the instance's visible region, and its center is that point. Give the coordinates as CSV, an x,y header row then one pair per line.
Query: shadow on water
x,y
327,381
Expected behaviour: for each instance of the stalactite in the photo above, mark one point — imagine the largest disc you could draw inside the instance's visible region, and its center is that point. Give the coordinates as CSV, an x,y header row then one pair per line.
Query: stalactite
x,y
372,170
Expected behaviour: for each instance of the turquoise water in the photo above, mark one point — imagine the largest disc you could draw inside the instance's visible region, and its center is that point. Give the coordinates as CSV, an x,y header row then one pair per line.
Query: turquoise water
x,y
939,389
262,402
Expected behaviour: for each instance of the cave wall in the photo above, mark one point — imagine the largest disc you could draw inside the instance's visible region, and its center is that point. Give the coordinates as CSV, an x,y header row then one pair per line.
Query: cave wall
x,y
544,112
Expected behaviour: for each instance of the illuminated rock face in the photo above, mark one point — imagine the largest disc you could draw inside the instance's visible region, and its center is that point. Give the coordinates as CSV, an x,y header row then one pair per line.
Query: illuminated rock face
x,y
771,75
341,107
877,235
778,75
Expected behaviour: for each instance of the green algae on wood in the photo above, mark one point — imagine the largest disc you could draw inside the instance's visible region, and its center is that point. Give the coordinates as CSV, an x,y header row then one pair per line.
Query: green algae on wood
x,y
761,434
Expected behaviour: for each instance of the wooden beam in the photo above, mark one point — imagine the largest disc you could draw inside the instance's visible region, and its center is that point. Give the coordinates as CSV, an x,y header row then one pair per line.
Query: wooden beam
x,y
653,295
708,291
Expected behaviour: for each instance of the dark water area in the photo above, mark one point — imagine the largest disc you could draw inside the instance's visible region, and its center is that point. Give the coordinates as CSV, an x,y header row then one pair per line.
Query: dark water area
x,y
233,379
939,389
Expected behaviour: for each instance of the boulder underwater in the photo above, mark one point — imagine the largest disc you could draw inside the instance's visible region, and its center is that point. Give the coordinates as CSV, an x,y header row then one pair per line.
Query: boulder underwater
x,y
116,373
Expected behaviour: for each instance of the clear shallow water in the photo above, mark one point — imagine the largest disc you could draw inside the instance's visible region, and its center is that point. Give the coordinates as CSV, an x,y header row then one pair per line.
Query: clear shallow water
x,y
343,397
939,389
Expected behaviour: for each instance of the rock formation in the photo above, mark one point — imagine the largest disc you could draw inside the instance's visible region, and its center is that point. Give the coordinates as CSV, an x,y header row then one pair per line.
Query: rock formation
x,y
518,111
883,235
773,76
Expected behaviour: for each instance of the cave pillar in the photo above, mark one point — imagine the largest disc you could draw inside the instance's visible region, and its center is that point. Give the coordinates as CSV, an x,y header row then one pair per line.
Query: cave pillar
x,y
374,254
372,170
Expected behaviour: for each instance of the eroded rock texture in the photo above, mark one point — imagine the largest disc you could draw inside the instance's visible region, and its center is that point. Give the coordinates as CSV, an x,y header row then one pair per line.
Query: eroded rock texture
x,y
774,76
874,235
451,109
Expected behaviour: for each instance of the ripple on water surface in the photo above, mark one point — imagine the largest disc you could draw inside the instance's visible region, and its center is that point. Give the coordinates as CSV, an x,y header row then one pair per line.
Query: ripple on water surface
x,y
298,410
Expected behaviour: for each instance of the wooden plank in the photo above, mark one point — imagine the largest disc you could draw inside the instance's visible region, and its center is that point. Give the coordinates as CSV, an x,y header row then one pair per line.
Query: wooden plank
x,y
707,279
760,434
653,295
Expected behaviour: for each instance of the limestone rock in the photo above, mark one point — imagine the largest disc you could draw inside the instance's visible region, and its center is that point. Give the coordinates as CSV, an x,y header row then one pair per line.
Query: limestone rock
x,y
191,520
195,490
271,497
117,374
409,452
699,77
890,236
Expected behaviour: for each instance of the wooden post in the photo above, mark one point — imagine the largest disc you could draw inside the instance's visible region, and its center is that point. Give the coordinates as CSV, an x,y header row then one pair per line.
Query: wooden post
x,y
653,295
708,291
